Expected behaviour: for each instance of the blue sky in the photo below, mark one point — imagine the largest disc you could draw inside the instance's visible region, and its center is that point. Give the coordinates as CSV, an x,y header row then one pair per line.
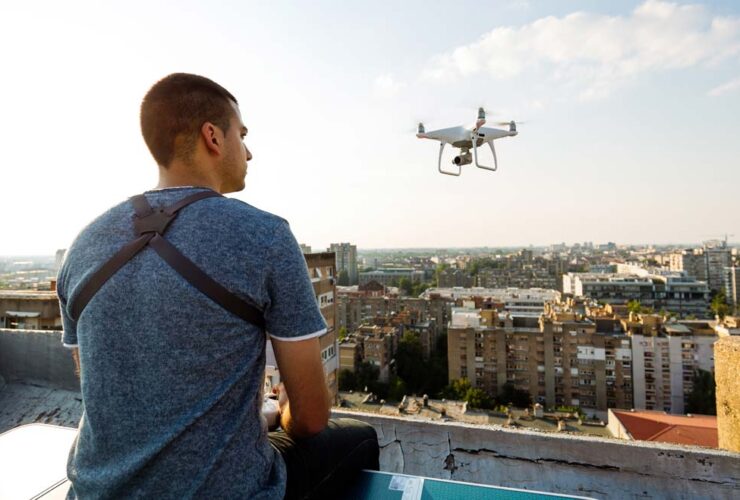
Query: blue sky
x,y
631,107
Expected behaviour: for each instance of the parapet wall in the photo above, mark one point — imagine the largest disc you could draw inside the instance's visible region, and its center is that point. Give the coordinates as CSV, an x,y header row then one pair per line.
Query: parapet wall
x,y
557,463
36,356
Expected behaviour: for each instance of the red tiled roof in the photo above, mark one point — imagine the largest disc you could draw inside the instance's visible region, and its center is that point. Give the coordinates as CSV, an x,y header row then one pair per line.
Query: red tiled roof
x,y
699,430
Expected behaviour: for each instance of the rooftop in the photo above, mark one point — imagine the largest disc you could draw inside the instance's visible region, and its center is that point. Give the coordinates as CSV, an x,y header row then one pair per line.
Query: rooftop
x,y
29,294
507,294
697,430
486,453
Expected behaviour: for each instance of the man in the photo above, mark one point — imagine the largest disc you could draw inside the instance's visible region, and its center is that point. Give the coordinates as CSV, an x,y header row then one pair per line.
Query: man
x,y
172,378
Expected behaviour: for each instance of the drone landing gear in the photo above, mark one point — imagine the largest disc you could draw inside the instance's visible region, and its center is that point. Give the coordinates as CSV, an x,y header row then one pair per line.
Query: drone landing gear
x,y
475,155
439,162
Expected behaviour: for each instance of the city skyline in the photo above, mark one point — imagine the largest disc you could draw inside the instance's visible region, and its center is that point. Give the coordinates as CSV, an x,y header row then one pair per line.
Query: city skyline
x,y
630,108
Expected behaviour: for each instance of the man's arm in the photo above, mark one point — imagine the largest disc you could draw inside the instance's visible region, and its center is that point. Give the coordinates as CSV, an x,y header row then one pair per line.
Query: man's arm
x,y
76,358
302,373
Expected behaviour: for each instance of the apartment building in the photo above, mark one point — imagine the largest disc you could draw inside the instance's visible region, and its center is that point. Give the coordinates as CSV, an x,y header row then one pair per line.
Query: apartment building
x,y
346,261
372,344
518,301
691,261
665,356
350,354
528,277
594,361
390,276
454,277
355,309
718,257
30,310
673,291
731,279
321,269
704,264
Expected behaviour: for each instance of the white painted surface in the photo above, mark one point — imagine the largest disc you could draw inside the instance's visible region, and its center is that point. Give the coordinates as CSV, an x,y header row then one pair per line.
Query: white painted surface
x,y
33,459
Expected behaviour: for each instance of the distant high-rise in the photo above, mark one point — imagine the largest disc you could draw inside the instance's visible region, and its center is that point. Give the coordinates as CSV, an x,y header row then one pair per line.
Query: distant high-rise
x,y
346,261
306,249
731,280
705,264
717,257
690,261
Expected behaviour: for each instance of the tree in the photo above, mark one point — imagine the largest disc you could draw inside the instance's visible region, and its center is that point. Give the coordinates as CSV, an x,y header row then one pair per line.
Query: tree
x,y
517,397
634,306
367,374
719,305
347,380
702,399
457,389
441,267
409,362
478,398
396,389
420,288
342,333
462,390
406,285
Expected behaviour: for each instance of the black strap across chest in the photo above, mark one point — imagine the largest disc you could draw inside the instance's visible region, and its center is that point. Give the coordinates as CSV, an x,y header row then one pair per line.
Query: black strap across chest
x,y
150,225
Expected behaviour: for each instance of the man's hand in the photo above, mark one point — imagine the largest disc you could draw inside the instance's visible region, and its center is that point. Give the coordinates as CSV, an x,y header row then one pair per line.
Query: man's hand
x,y
304,400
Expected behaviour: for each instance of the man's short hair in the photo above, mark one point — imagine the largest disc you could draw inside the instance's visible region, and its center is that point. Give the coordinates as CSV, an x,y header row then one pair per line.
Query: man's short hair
x,y
174,110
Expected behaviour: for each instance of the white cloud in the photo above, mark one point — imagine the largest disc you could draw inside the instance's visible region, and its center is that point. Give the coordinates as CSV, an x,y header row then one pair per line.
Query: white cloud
x,y
386,86
730,86
594,54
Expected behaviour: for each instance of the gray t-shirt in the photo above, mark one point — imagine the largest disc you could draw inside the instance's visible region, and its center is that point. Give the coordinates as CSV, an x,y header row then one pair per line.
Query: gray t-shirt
x,y
172,382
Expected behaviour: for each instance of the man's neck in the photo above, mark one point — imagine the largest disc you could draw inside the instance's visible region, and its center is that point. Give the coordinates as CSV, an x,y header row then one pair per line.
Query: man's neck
x,y
181,176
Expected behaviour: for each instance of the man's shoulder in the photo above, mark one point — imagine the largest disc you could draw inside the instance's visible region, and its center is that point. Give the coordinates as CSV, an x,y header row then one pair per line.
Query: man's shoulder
x,y
242,208
226,208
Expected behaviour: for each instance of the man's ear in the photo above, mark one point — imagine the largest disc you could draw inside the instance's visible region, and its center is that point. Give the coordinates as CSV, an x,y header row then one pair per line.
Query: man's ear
x,y
212,137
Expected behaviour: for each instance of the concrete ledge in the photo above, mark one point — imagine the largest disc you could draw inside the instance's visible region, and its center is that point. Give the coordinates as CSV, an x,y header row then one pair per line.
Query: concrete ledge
x,y
577,465
727,362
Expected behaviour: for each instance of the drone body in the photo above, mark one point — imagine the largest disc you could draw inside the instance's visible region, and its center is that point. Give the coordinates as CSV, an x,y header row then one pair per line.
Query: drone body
x,y
466,139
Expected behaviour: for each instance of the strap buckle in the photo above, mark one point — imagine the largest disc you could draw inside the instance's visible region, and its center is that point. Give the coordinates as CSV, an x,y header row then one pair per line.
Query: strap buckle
x,y
154,222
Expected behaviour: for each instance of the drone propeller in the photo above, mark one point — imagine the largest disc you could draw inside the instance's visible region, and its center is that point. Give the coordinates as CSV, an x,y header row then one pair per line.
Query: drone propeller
x,y
509,122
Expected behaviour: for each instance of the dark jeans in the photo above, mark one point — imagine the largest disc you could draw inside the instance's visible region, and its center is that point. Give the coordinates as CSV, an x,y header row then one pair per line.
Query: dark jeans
x,y
324,465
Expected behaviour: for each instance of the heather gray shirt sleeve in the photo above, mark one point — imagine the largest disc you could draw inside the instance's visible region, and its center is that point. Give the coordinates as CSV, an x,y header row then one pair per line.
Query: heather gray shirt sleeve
x,y
69,335
292,312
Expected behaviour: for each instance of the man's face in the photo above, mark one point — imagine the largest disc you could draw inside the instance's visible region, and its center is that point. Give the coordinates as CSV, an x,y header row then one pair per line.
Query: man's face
x,y
236,154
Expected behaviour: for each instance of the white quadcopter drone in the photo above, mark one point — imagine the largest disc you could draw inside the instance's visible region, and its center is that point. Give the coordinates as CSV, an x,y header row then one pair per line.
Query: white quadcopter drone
x,y
467,139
